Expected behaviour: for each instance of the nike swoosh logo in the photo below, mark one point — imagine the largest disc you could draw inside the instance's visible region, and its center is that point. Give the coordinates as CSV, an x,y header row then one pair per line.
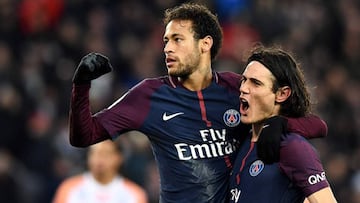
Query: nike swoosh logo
x,y
168,117
265,126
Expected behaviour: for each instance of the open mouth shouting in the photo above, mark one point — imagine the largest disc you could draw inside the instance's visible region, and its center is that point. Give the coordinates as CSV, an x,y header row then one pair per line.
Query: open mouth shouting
x,y
244,106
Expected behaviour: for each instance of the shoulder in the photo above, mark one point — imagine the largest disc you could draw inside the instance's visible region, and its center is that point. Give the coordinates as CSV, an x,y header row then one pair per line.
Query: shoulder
x,y
152,82
301,163
136,189
66,187
229,79
148,86
292,139
296,145
228,75
297,154
72,181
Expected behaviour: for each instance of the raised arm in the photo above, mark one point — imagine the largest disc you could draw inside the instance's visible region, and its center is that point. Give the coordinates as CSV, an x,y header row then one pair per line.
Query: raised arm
x,y
84,128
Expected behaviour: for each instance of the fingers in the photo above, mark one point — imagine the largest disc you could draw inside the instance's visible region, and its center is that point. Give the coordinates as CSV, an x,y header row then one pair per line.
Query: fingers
x,y
90,61
91,66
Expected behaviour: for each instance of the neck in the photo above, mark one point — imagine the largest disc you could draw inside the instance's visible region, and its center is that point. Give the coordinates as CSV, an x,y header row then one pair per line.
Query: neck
x,y
103,178
256,130
198,80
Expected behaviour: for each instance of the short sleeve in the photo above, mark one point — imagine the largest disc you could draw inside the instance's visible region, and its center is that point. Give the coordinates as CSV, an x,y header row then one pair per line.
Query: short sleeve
x,y
300,162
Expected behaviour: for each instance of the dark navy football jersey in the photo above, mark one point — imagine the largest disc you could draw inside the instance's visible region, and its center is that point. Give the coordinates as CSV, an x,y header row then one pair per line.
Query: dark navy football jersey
x,y
298,174
191,132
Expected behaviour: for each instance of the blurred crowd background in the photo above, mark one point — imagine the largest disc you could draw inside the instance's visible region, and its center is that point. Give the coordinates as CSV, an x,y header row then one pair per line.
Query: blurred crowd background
x,y
42,41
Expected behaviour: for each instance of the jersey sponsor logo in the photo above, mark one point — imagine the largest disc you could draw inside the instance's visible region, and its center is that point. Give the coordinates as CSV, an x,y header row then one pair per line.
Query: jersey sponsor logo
x,y
214,144
231,118
235,194
313,179
170,116
256,167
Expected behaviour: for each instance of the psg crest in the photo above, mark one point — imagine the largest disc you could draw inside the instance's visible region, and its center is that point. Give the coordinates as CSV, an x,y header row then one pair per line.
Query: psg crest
x,y
256,168
231,118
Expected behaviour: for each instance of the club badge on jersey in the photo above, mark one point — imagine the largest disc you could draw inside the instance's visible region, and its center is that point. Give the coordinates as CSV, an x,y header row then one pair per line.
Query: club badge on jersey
x,y
231,118
256,168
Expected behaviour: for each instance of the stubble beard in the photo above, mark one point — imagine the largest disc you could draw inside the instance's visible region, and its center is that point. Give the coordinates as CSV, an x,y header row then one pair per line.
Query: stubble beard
x,y
184,70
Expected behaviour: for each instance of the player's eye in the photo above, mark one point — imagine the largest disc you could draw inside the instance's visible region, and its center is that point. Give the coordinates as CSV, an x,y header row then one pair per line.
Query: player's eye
x,y
242,80
256,82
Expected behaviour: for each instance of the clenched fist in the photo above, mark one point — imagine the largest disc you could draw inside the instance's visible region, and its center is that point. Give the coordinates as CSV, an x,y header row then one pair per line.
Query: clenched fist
x,y
91,66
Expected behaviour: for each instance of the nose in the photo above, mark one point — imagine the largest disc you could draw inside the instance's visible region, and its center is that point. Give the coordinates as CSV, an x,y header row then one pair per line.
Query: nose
x,y
168,48
243,87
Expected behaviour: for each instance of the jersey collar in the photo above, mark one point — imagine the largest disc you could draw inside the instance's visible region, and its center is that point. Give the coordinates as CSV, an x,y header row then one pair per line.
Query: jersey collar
x,y
174,81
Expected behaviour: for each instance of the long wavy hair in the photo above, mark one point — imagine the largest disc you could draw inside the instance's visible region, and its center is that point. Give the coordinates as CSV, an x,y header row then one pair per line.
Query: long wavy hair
x,y
287,72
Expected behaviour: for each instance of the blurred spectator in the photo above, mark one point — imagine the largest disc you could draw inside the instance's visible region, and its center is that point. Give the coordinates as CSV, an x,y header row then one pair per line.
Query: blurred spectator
x,y
8,185
17,184
102,183
38,16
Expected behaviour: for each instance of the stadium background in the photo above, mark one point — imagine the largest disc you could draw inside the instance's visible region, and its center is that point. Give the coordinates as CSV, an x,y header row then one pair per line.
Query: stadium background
x,y
41,42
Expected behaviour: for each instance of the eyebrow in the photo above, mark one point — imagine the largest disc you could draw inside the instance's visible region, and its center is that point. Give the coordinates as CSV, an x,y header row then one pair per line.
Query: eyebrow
x,y
172,35
254,80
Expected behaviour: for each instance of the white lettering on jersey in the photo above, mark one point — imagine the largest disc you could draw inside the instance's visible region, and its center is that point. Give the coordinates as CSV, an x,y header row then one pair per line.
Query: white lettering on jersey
x,y
235,194
313,179
213,135
215,146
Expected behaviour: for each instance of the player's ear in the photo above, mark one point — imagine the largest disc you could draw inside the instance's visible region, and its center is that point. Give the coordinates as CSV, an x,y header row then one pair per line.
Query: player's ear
x,y
282,94
206,44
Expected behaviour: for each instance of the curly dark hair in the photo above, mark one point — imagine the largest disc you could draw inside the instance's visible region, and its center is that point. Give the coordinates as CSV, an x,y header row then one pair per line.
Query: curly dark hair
x,y
203,20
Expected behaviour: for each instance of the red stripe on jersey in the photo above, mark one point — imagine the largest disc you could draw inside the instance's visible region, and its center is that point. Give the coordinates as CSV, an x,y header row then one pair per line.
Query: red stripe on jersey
x,y
252,144
203,109
227,162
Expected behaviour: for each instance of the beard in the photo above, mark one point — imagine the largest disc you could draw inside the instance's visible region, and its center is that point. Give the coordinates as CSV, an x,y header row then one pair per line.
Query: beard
x,y
182,71
185,69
